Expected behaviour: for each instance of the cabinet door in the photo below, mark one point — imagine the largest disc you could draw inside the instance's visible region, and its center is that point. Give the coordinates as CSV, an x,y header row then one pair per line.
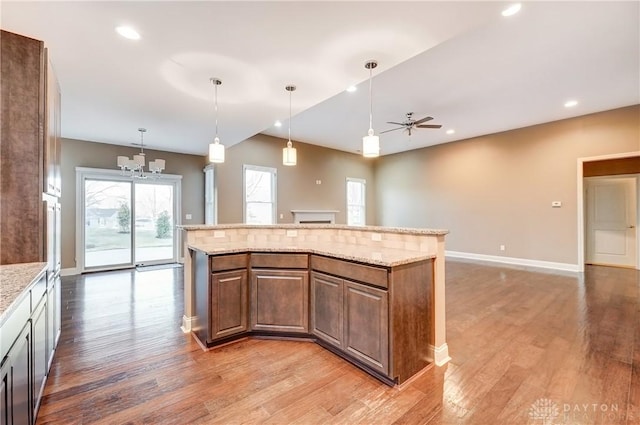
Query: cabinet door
x,y
20,387
51,152
51,321
280,300
366,333
327,308
229,301
5,393
40,357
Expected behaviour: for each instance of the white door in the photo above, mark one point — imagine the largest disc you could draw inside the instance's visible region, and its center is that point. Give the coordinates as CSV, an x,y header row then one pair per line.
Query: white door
x,y
611,221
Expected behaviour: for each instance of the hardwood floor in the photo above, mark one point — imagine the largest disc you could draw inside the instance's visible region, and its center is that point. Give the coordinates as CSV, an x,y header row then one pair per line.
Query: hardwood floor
x,y
527,348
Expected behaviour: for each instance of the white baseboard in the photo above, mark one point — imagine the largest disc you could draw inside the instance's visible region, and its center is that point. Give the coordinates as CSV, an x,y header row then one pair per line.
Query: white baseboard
x,y
69,272
186,324
440,355
512,260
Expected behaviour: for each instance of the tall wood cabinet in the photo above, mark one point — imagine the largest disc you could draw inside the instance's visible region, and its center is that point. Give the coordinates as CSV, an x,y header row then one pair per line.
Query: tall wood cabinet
x,y
29,149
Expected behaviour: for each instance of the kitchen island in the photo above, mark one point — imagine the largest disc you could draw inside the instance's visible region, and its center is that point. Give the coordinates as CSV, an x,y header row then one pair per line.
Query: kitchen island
x,y
373,295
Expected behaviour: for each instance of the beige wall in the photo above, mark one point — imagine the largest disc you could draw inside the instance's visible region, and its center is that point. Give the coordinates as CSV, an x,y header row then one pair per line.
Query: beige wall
x,y
297,188
497,189
76,153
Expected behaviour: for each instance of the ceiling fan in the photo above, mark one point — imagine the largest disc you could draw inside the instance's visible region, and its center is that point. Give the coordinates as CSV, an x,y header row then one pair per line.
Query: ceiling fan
x,y
409,124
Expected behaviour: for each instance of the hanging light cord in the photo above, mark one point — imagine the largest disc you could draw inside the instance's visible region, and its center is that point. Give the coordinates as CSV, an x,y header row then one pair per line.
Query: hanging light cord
x,y
290,117
215,88
141,141
370,99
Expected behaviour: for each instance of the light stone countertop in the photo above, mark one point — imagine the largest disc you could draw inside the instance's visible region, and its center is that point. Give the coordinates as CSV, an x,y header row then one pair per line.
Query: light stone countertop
x,y
376,256
15,280
381,229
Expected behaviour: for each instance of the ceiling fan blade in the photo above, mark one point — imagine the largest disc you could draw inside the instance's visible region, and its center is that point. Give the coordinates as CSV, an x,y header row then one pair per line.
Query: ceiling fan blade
x,y
429,126
396,123
393,129
425,119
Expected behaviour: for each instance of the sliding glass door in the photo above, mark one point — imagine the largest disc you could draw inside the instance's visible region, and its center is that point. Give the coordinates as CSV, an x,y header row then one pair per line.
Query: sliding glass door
x,y
126,221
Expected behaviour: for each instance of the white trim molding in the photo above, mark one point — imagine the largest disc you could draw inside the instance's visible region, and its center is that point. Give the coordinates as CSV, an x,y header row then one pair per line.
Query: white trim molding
x,y
186,324
69,272
440,355
515,261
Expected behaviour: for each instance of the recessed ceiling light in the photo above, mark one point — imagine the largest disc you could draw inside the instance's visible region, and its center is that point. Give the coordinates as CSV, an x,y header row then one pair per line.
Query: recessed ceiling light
x,y
351,89
570,103
128,32
277,123
451,131
512,10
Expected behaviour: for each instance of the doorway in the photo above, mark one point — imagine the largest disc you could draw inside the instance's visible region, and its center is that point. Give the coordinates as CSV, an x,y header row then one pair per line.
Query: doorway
x,y
607,166
611,216
125,221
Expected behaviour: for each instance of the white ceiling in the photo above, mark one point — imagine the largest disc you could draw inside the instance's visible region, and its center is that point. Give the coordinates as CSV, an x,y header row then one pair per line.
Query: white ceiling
x,y
460,62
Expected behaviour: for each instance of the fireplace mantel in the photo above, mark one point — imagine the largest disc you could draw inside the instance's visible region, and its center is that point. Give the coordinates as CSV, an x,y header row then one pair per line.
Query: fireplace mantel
x,y
314,216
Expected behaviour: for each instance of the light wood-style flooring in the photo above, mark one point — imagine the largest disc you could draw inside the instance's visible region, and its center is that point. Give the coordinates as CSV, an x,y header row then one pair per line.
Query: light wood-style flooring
x,y
527,347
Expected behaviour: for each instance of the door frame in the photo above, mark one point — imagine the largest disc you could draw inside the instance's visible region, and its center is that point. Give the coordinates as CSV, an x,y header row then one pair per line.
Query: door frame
x,y
581,210
83,173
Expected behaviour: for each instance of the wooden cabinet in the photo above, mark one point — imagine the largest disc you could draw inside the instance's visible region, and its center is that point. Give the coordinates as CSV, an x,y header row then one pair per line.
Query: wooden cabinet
x,y
366,325
221,296
228,303
327,308
352,317
280,300
52,182
28,165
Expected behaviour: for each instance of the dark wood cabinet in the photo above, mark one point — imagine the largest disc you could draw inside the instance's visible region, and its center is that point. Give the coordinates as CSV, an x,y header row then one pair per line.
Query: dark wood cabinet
x,y
352,317
229,299
280,300
221,296
366,325
378,318
327,308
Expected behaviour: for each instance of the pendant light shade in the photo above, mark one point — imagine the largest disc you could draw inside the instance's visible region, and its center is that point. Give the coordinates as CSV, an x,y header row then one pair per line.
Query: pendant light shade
x,y
370,142
216,149
289,154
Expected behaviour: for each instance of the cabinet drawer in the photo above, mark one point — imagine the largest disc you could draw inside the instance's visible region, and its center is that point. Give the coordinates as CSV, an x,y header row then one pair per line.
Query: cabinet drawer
x,y
280,260
37,291
14,324
228,262
359,272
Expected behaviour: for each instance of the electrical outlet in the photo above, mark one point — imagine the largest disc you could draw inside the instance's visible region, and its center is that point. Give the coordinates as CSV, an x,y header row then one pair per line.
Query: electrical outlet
x,y
281,216
187,217
556,204
318,181
292,233
218,233
376,237
502,248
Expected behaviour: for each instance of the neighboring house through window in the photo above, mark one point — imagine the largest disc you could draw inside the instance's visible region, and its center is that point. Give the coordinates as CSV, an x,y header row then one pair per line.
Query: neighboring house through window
x,y
356,211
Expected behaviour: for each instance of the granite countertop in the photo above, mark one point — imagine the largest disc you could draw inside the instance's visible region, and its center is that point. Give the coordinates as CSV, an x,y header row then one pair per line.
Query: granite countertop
x,y
381,229
15,279
376,256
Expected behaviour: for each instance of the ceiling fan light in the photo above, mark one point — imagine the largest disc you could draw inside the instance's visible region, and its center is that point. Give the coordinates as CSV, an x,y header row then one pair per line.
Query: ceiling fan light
x,y
216,152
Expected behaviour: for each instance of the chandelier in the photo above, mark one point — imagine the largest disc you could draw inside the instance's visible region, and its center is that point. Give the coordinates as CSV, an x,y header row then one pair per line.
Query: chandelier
x,y
135,167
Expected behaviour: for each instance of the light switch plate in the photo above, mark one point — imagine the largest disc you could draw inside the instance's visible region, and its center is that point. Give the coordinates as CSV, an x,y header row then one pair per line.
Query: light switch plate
x,y
187,217
556,204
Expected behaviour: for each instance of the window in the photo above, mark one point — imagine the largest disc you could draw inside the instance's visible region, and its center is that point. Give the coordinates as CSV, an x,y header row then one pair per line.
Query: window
x,y
356,211
259,195
210,212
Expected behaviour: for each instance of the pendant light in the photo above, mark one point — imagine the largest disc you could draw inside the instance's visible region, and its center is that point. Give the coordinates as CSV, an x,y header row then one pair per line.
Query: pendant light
x,y
216,150
370,142
289,154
